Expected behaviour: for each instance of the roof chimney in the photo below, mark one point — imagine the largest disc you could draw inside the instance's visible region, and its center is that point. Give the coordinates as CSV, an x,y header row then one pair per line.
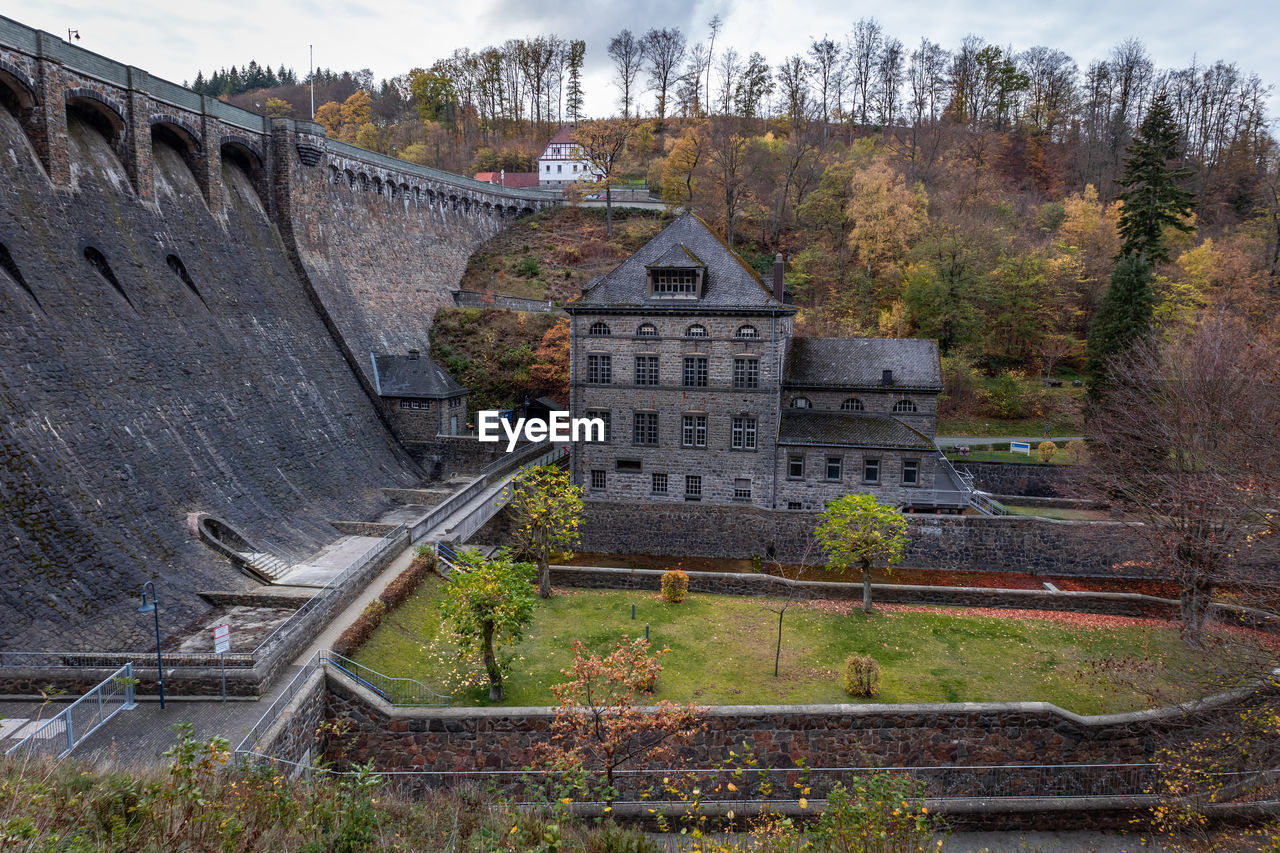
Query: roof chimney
x,y
778,266
413,353
886,377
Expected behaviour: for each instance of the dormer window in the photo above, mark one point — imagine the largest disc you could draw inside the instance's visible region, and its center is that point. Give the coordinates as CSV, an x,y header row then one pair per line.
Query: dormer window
x,y
677,283
599,327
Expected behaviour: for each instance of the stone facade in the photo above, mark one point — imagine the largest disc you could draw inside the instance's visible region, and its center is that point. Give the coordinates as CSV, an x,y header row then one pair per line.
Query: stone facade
x,y
815,488
1016,478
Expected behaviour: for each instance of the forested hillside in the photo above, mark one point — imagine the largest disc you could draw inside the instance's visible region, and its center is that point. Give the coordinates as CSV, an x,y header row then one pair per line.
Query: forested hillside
x,y
963,192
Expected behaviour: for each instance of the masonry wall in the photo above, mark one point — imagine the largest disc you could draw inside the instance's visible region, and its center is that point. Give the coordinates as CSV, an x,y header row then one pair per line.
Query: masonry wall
x,y
956,543
126,409
815,489
1015,478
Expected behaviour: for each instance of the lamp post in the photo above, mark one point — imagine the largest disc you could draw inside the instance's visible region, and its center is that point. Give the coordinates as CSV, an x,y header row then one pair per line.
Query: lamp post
x,y
73,34
153,606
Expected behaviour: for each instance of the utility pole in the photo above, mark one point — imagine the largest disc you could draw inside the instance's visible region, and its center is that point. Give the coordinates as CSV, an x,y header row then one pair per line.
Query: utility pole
x,y
311,60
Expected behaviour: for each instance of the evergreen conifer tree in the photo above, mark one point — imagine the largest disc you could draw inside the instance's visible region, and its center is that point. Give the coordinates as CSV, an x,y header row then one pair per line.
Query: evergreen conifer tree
x,y
1153,195
1122,318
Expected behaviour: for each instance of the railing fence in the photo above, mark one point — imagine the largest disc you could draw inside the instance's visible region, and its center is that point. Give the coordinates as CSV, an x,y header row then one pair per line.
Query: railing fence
x,y
59,734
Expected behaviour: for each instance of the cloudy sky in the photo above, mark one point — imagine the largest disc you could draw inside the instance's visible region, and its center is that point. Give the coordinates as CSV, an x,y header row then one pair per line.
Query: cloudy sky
x,y
175,39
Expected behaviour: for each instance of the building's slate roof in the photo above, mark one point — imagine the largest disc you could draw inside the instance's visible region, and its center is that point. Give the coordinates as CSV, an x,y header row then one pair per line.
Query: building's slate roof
x,y
730,283
676,257
861,362
848,429
405,376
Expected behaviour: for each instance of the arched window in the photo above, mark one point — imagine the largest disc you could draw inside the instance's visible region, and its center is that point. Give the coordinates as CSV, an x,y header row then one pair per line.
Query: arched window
x,y
747,331
599,327
800,403
697,330
647,330
905,405
853,404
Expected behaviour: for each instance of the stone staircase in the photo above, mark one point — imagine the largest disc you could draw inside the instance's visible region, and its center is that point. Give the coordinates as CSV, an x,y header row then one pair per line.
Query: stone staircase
x,y
267,565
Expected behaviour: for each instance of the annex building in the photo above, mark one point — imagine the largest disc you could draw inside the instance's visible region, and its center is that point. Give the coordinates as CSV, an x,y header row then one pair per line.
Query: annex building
x,y
691,361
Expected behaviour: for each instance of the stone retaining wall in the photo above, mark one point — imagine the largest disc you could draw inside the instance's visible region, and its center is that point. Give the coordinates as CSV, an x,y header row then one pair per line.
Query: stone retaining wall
x,y
1020,478
1022,544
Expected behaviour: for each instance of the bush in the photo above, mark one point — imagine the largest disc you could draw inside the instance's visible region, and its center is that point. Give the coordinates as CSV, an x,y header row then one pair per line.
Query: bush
x,y
528,267
1005,397
1077,452
1045,451
861,675
675,585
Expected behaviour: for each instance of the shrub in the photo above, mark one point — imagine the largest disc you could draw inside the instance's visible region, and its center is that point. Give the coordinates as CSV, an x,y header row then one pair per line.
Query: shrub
x,y
1005,397
1045,451
675,585
1077,452
396,593
861,675
528,267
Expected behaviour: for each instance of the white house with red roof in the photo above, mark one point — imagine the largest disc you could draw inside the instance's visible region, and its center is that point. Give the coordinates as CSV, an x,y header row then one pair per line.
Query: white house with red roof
x,y
564,163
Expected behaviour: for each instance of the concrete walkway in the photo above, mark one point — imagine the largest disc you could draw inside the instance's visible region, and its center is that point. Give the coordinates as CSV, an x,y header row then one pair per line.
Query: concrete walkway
x,y
1033,440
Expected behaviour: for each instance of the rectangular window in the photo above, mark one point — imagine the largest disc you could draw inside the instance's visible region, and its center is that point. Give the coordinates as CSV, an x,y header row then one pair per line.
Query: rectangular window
x,y
404,404
871,471
693,431
646,428
606,416
695,371
746,373
672,281
743,435
795,467
910,472
599,370
646,370
835,468
742,489
794,505
693,487
598,480
659,484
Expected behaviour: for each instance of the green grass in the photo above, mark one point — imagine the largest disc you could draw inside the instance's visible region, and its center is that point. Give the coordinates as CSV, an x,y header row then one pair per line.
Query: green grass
x,y
723,646
1058,458
1059,514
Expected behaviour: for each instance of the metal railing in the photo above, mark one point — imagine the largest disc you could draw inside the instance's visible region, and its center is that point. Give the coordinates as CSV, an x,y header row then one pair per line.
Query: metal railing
x,y
59,734
405,692
249,743
324,597
446,556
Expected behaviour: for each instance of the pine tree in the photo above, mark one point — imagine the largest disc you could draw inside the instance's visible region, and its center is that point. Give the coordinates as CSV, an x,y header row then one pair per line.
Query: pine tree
x,y
573,95
1153,196
1122,318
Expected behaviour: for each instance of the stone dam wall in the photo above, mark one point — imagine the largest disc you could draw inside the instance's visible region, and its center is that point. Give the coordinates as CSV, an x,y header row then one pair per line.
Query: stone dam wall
x,y
188,297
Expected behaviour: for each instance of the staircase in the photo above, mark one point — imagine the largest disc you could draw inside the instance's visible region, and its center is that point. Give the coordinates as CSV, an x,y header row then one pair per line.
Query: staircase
x,y
267,565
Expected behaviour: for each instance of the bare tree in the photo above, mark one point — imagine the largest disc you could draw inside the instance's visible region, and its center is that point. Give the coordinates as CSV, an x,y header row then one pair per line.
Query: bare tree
x,y
793,81
1185,441
730,68
864,52
889,71
827,67
602,145
624,50
714,25
663,50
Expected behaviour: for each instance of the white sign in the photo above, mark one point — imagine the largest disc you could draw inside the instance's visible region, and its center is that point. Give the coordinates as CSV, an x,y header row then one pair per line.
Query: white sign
x,y
1020,447
221,639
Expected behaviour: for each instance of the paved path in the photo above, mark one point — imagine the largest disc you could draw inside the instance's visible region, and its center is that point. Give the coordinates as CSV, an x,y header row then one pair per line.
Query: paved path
x,y
1033,440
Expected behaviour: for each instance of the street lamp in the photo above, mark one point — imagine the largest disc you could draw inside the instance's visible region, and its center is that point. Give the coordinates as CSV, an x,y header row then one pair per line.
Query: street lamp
x,y
153,606
73,34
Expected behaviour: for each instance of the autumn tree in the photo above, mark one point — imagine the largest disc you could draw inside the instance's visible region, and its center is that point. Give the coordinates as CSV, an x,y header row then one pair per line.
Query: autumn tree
x,y
278,108
1184,440
885,215
603,143
859,530
680,166
551,361
546,509
599,728
489,603
663,50
1153,196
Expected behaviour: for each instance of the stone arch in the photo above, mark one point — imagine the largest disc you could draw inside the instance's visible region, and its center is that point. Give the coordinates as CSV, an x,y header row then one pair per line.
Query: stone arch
x,y
417,195
177,134
335,174
454,201
511,211
377,185
103,114
363,180
239,152
404,190
350,178
526,211
18,96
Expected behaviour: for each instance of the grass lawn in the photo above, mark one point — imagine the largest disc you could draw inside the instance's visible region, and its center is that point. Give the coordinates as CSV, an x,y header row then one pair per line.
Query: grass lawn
x,y
723,646
1061,457
1059,514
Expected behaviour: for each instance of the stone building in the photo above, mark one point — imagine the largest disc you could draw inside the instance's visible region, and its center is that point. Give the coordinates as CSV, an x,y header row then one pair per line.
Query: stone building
x,y
708,396
422,400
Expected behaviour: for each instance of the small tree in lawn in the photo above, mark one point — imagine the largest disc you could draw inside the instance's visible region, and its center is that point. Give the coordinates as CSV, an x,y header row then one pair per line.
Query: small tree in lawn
x,y
489,604
598,727
602,143
547,510
859,530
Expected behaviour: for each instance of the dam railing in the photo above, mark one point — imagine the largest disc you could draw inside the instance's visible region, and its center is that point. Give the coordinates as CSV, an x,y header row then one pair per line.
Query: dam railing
x,y
58,735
